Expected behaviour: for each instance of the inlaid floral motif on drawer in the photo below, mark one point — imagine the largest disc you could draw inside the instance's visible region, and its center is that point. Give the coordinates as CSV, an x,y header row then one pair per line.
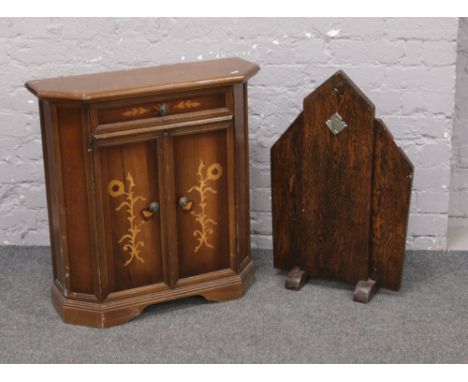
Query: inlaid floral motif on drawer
x,y
134,111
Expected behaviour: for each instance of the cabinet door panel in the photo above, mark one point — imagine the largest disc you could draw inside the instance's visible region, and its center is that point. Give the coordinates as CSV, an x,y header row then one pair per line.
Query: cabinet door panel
x,y
202,175
133,240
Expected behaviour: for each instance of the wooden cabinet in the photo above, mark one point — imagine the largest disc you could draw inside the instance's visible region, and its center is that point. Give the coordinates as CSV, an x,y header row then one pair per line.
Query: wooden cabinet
x,y
147,187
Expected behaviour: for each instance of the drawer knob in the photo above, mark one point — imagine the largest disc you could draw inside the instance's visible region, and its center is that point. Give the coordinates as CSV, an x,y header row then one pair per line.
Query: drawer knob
x,y
154,207
163,109
185,203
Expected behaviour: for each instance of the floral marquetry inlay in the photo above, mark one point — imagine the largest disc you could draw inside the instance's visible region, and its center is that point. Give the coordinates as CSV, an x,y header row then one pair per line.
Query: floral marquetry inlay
x,y
212,173
129,240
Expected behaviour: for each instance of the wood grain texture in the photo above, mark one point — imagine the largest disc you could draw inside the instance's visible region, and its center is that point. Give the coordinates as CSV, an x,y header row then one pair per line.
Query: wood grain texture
x,y
141,81
140,160
391,197
241,168
200,165
109,164
286,182
74,181
120,311
336,206
340,201
50,172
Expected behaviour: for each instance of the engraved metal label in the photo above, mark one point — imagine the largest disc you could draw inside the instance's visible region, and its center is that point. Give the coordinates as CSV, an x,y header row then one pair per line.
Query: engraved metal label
x,y
336,124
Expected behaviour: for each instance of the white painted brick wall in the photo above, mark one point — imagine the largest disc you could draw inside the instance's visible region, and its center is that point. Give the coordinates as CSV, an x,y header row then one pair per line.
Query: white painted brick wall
x,y
459,178
405,66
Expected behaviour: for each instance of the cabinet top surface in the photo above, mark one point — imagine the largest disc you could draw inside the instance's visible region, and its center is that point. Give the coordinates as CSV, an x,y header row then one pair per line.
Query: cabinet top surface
x,y
142,81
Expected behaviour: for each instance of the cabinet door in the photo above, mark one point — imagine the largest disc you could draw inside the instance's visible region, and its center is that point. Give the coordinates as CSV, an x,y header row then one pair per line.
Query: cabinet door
x,y
201,200
131,193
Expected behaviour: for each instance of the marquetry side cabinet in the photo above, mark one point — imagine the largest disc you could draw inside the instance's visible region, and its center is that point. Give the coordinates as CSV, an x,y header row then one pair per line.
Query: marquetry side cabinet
x,y
341,193
147,187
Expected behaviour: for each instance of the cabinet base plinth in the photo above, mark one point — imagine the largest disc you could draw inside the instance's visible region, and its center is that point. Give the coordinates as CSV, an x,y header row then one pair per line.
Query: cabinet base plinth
x,y
107,314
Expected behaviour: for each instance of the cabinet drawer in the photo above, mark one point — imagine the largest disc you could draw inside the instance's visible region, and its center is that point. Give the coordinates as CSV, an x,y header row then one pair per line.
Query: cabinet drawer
x,y
159,107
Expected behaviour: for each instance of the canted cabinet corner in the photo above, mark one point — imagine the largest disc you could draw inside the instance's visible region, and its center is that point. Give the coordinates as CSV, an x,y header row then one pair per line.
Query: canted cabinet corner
x,y
147,187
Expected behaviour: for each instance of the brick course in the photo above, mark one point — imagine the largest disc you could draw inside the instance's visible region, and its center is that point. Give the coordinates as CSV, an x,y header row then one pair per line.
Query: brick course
x,y
405,66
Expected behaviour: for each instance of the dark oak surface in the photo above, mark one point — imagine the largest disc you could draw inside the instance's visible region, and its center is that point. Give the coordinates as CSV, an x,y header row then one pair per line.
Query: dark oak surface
x,y
117,166
340,201
286,192
151,80
391,198
336,191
